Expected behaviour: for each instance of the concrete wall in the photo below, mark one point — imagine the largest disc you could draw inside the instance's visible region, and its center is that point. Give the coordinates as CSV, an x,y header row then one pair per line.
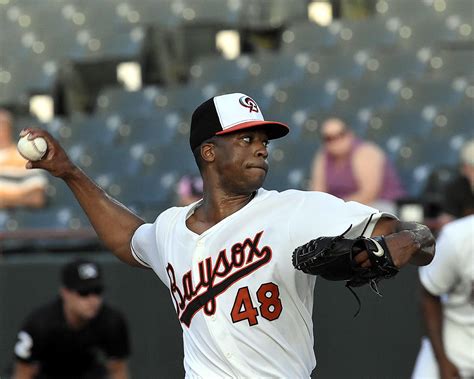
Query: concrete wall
x,y
382,342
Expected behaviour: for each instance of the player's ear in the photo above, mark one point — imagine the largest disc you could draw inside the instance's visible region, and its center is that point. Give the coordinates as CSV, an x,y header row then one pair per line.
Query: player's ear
x,y
208,153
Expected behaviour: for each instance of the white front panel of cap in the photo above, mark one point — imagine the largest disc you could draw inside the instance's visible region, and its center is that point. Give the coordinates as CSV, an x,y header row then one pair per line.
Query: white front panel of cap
x,y
88,271
236,108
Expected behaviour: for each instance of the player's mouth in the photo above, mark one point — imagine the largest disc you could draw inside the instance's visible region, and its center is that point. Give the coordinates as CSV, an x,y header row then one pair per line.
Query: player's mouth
x,y
262,166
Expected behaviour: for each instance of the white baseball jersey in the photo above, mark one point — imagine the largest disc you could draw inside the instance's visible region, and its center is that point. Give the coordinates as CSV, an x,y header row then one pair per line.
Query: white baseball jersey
x,y
244,310
451,276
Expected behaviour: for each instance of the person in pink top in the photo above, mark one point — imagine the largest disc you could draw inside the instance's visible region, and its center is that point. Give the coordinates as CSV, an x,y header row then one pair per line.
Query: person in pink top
x,y
353,169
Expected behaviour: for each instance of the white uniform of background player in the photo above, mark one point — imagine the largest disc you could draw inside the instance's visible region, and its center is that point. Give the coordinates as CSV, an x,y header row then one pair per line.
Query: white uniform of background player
x,y
451,276
245,311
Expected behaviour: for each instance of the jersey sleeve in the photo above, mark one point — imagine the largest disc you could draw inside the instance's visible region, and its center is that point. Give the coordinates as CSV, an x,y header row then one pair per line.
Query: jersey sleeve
x,y
116,340
147,244
441,274
28,343
320,214
144,244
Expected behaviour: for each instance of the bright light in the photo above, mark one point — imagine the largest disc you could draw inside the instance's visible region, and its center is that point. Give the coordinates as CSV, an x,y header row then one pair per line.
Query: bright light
x,y
130,75
42,106
228,43
320,12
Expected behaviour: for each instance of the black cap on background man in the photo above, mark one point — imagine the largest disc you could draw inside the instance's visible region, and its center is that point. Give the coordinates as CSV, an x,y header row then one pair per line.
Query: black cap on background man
x,y
82,275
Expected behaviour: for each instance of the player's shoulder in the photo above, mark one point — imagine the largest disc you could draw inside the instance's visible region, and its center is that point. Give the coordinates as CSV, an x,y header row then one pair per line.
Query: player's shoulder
x,y
110,316
459,228
171,214
293,194
295,198
45,316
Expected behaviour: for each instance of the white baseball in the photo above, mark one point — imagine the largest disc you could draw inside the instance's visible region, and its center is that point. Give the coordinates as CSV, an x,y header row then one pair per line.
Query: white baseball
x,y
34,149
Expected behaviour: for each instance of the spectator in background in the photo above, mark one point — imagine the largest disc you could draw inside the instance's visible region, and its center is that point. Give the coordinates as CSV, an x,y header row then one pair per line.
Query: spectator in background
x,y
459,193
354,170
19,187
189,189
447,303
455,199
75,336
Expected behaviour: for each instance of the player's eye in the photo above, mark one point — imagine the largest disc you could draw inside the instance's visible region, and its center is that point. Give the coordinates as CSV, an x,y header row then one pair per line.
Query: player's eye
x,y
246,139
266,143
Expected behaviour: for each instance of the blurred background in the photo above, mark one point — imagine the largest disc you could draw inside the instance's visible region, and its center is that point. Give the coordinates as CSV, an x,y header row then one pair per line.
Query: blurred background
x,y
116,81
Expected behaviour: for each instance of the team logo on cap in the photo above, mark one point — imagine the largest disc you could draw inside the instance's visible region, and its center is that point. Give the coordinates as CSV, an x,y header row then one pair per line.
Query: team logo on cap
x,y
88,271
249,103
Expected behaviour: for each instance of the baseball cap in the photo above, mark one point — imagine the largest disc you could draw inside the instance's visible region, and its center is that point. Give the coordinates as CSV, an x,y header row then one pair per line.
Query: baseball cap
x,y
82,275
230,113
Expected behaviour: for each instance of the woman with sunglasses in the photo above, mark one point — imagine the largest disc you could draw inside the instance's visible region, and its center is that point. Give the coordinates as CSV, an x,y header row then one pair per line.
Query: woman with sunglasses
x,y
353,169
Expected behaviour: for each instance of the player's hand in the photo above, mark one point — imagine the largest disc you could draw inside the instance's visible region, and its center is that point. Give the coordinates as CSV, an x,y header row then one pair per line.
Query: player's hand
x,y
401,246
447,370
56,160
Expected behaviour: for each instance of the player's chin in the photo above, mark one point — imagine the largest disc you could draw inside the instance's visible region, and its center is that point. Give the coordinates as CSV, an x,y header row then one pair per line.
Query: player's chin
x,y
256,180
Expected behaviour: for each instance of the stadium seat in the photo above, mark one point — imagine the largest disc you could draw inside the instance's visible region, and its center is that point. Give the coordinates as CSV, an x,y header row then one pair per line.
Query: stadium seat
x,y
264,15
419,93
275,68
364,94
215,69
398,122
307,36
127,103
363,34
333,65
416,157
403,8
387,64
309,95
452,63
452,121
289,164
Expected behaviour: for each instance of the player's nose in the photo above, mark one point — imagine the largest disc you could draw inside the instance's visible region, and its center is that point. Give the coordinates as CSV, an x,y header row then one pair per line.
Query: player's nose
x,y
262,150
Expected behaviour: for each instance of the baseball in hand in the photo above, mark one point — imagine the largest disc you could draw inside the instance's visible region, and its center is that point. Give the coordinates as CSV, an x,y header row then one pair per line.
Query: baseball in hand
x,y
34,149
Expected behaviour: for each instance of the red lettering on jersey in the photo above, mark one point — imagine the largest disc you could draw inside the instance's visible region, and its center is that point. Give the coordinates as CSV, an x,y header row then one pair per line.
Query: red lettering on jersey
x,y
244,258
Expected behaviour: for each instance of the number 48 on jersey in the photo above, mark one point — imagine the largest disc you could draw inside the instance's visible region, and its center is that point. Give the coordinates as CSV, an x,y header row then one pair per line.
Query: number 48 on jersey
x,y
270,308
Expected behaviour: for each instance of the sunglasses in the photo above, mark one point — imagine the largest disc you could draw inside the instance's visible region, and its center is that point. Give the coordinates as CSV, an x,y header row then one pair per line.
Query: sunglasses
x,y
90,291
334,137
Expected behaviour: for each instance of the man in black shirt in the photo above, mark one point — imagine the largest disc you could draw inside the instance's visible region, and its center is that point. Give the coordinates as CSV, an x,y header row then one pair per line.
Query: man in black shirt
x,y
76,336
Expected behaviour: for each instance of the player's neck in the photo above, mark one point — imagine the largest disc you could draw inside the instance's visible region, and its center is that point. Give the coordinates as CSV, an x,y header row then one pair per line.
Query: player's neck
x,y
72,319
214,209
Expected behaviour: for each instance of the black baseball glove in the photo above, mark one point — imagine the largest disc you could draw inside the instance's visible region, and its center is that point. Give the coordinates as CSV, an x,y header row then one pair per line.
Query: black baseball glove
x,y
333,259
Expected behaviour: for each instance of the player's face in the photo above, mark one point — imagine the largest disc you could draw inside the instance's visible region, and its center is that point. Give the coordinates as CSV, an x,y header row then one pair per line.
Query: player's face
x,y
83,304
241,159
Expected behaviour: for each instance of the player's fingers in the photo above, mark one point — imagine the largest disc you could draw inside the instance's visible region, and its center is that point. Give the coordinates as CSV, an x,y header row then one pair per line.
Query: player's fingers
x,y
36,132
362,259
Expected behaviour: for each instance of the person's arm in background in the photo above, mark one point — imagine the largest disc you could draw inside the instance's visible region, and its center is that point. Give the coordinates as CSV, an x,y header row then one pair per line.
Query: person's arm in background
x,y
112,221
368,168
318,178
433,320
23,370
117,369
22,197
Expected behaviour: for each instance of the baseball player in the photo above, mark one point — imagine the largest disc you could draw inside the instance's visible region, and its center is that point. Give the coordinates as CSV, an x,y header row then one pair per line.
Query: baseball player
x,y
448,306
227,258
